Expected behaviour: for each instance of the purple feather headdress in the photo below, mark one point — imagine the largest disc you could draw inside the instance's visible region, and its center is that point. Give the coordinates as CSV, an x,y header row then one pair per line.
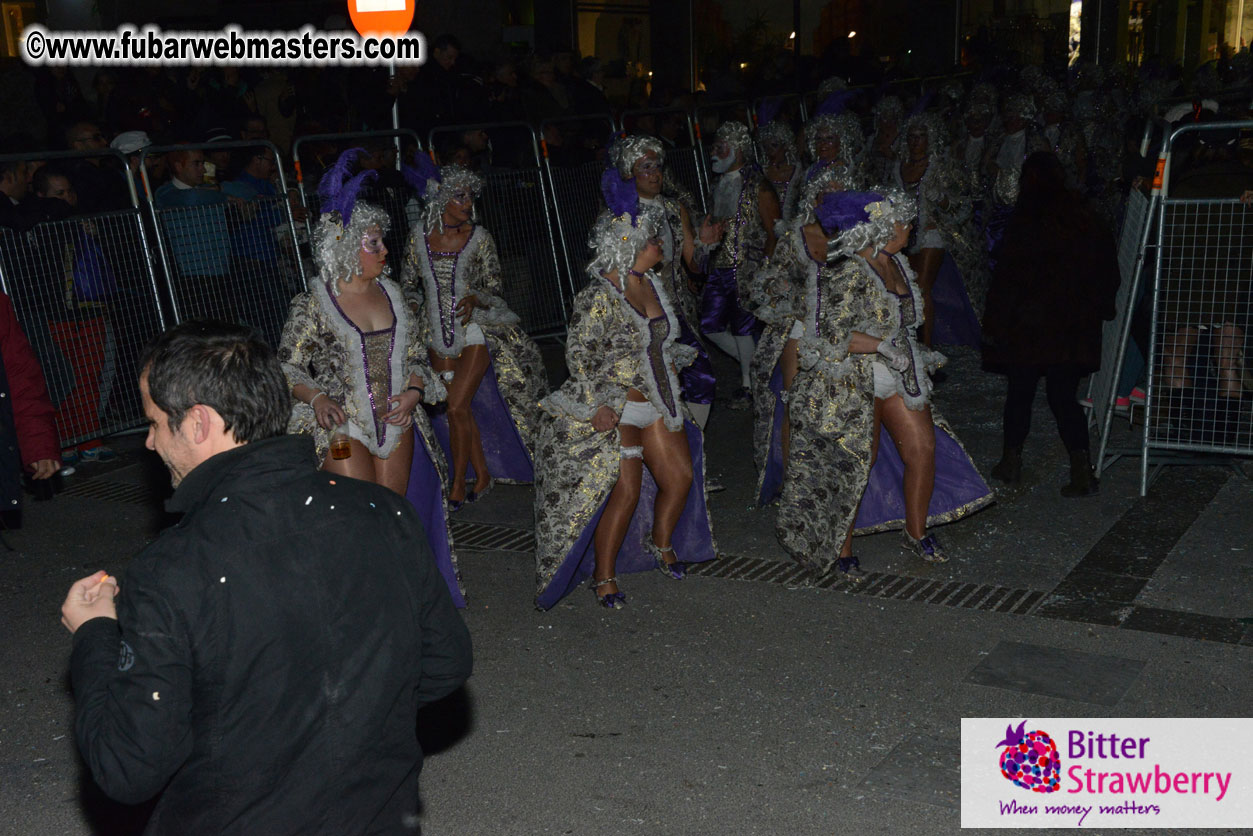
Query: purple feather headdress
x,y
839,211
339,191
420,173
620,195
835,104
769,109
922,103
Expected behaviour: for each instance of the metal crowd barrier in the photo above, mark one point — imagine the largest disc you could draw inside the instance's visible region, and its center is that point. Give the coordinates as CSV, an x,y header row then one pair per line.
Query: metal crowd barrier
x,y
518,210
1199,390
85,294
224,257
683,162
576,191
389,191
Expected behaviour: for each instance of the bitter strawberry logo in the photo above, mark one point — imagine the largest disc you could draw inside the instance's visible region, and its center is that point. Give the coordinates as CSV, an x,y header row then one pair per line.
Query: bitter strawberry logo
x,y
1030,759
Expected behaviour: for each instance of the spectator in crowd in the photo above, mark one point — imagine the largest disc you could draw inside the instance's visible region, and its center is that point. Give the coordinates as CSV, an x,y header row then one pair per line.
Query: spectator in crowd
x,y
254,127
257,226
75,284
59,96
219,162
504,97
97,179
14,186
587,89
193,221
353,636
131,144
544,96
28,432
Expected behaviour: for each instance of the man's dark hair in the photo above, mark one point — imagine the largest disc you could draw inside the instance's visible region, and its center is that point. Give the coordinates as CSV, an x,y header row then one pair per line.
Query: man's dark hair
x,y
227,367
39,183
445,40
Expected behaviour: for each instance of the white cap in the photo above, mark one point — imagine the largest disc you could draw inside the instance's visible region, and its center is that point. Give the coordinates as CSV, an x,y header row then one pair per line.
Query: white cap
x,y
130,141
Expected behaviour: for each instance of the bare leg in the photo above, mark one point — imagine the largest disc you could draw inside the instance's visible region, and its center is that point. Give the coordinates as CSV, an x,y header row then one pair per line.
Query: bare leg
x,y
926,264
789,364
669,459
847,549
914,435
393,471
359,465
463,435
614,520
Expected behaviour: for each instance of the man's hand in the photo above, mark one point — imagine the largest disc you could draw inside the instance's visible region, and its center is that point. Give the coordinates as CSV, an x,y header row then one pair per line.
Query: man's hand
x,y
44,468
710,232
91,597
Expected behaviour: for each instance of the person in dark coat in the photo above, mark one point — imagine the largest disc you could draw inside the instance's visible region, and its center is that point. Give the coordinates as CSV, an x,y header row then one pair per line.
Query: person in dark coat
x,y
267,657
1054,284
28,432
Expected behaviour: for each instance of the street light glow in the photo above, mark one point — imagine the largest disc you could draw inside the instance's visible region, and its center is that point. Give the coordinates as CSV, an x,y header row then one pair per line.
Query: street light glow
x,y
851,34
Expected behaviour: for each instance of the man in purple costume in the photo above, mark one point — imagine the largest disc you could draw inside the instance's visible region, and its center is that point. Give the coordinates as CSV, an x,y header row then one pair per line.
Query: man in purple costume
x,y
745,202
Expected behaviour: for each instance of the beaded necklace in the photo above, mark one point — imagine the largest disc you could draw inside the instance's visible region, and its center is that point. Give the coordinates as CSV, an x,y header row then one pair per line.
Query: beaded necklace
x,y
447,326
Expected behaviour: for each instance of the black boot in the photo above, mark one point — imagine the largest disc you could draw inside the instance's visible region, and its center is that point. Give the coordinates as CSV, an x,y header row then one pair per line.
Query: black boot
x,y
1009,468
1083,481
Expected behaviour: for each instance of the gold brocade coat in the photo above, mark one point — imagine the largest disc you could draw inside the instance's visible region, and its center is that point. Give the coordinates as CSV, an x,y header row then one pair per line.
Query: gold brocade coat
x,y
576,467
515,358
323,350
831,406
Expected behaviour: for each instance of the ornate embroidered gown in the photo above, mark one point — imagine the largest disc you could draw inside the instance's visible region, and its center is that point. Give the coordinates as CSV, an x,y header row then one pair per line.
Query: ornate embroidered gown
x,y
506,404
323,349
779,300
831,405
610,348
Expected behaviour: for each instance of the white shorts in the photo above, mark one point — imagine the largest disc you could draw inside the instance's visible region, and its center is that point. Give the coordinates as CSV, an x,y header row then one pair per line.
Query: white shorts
x,y
798,330
638,414
474,335
884,382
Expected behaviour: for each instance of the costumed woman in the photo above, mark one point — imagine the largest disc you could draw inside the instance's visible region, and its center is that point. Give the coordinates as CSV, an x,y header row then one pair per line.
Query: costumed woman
x,y
779,160
357,368
786,285
640,160
619,478
833,135
942,248
862,368
491,368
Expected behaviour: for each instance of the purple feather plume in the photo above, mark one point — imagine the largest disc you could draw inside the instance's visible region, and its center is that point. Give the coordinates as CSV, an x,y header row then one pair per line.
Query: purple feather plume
x,y
344,199
620,195
835,103
420,173
923,101
841,211
769,109
333,179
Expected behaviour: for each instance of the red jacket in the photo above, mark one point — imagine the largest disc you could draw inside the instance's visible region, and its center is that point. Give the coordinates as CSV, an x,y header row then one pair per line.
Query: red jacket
x,y
33,413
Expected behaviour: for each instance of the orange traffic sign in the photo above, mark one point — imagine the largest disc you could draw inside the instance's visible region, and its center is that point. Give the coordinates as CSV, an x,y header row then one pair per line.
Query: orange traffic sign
x,y
388,18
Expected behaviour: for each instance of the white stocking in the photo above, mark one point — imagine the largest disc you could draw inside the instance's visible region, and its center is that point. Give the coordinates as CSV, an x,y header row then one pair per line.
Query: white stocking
x,y
724,341
744,350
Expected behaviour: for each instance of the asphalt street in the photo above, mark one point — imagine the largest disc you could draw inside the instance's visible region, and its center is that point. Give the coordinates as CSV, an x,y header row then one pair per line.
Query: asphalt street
x,y
746,699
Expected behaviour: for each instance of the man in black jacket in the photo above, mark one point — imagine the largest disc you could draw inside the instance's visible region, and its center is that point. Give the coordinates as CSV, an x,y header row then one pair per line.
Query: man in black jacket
x,y
269,653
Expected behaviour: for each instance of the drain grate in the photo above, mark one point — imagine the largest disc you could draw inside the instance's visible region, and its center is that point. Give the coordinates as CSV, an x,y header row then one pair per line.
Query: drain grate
x,y
487,537
111,491
986,597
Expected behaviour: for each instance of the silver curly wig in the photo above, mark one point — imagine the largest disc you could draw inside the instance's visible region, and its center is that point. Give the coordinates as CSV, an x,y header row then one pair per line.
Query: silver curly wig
x,y
452,179
890,108
737,136
615,240
937,137
843,125
627,151
776,132
337,248
836,174
1021,105
831,85
879,227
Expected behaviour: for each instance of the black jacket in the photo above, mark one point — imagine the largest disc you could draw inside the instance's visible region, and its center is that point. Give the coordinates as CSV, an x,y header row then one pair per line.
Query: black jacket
x,y
270,655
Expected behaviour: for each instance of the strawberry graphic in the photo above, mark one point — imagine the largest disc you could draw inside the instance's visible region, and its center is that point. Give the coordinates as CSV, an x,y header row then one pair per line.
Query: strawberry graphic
x,y
1030,759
